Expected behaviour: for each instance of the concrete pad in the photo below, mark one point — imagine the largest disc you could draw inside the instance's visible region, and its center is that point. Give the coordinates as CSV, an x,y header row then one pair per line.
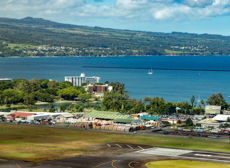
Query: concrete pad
x,y
165,151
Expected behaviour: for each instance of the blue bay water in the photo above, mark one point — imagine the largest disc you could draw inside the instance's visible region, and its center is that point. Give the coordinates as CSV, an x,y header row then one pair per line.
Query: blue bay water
x,y
172,85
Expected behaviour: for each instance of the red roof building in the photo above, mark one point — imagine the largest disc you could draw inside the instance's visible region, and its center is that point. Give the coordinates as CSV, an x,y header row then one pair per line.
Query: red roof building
x,y
21,114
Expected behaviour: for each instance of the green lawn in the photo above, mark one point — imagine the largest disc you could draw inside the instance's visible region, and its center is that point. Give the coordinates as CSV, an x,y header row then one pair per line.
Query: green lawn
x,y
12,106
185,164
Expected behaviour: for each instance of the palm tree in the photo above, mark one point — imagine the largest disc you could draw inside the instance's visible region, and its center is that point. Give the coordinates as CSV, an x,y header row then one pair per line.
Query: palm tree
x,y
202,103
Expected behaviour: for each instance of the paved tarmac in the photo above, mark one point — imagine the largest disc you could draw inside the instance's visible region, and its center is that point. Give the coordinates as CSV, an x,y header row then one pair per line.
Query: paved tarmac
x,y
123,156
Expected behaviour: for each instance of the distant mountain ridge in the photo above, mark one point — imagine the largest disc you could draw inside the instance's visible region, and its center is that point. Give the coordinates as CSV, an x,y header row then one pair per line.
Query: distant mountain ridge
x,y
92,41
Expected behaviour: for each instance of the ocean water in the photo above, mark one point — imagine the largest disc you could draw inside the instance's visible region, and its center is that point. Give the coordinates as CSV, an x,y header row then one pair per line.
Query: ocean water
x,y
172,85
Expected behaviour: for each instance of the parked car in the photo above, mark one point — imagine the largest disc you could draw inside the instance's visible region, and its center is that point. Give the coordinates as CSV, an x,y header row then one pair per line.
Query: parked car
x,y
36,122
18,122
23,121
29,122
8,120
52,122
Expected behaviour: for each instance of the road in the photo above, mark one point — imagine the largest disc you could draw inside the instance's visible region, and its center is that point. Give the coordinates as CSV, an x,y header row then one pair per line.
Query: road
x,y
123,156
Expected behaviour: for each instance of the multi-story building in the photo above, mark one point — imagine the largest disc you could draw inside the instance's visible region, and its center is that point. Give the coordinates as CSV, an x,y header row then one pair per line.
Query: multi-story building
x,y
79,80
99,88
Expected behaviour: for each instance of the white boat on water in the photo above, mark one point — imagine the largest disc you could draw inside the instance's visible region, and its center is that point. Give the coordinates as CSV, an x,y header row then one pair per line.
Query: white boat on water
x,y
150,72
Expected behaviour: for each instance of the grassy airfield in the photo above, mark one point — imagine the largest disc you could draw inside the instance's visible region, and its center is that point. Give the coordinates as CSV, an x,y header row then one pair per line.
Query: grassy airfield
x,y
185,164
34,143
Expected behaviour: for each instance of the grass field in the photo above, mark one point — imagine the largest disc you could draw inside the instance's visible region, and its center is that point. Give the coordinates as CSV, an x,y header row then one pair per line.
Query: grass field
x,y
14,46
32,143
185,164
12,106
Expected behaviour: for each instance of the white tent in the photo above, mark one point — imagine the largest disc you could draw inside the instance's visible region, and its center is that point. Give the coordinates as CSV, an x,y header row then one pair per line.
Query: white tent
x,y
221,117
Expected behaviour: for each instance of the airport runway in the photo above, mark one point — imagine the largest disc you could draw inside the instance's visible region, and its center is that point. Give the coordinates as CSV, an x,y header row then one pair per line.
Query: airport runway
x,y
130,156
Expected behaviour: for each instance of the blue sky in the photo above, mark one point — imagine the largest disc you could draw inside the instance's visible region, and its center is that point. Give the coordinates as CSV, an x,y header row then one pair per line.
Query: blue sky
x,y
194,16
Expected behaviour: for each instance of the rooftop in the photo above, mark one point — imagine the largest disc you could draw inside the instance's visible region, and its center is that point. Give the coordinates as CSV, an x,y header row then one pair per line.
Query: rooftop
x,y
5,79
123,120
213,107
208,120
221,117
106,115
149,118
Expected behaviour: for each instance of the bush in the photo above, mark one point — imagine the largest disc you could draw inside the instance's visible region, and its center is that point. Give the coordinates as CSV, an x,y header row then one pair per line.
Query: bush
x,y
178,121
189,122
8,105
166,123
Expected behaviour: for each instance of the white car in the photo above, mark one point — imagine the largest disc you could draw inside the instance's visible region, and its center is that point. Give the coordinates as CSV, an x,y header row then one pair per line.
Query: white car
x,y
52,122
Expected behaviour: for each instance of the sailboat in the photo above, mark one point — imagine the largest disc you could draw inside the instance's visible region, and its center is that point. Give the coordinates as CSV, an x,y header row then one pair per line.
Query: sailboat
x,y
150,72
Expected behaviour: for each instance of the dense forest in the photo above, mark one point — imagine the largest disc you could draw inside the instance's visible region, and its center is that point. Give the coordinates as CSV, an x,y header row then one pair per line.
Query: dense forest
x,y
39,37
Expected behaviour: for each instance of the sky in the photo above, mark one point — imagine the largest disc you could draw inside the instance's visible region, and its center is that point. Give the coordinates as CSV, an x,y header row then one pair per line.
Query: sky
x,y
193,16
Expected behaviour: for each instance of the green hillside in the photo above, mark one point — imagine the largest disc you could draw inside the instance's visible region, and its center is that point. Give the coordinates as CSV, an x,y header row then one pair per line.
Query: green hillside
x,y
39,37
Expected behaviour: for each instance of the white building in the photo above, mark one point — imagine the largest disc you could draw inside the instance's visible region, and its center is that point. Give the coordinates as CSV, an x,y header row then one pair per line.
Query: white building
x,y
212,109
6,79
79,80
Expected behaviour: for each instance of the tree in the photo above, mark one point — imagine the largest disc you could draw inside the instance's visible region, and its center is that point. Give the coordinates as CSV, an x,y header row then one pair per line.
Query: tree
x,y
157,102
96,107
96,99
70,107
185,107
189,122
5,85
21,85
30,107
118,87
43,83
33,85
192,100
228,119
217,100
81,109
76,106
10,96
202,103
52,109
62,108
84,84
28,100
84,97
178,121
53,84
68,93
80,88
147,99
65,84
166,123
167,108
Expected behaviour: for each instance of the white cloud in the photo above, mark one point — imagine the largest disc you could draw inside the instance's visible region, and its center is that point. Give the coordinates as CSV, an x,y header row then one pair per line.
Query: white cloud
x,y
197,3
122,10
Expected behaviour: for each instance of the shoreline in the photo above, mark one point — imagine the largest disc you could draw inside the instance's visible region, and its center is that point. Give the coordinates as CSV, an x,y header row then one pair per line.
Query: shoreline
x,y
113,56
57,102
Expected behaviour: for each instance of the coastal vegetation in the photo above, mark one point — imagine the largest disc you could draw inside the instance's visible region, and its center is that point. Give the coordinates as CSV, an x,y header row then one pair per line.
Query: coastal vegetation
x,y
22,93
114,101
38,37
